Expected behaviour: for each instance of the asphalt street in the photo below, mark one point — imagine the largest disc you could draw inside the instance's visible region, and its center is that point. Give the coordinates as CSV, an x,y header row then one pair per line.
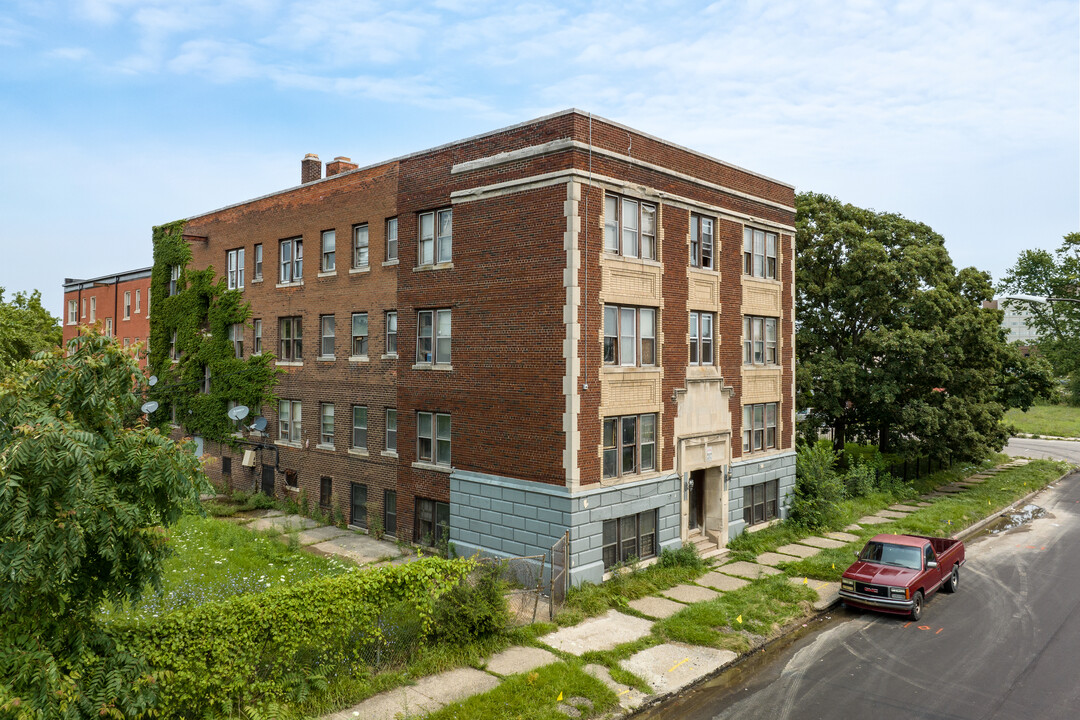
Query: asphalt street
x,y
1006,646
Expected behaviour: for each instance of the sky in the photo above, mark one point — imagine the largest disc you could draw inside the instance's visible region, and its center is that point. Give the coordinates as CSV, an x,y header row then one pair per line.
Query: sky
x,y
118,115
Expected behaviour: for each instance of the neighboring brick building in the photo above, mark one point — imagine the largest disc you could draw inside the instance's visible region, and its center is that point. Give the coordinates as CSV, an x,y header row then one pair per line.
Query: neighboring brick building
x,y
120,303
561,325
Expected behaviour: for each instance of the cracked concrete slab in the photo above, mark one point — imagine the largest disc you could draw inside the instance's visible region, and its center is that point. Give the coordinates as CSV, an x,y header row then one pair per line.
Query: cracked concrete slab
x,y
872,520
629,698
283,523
672,666
828,592
846,537
656,607
721,582
599,633
773,559
321,534
802,551
823,543
520,659
900,507
748,570
361,549
427,695
892,514
690,593
853,527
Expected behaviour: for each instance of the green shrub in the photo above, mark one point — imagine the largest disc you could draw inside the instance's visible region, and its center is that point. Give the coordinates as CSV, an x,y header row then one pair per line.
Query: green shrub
x,y
284,643
686,556
474,608
818,490
860,480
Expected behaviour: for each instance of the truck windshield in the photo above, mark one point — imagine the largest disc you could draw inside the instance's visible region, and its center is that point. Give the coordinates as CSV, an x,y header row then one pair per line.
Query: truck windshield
x,y
887,554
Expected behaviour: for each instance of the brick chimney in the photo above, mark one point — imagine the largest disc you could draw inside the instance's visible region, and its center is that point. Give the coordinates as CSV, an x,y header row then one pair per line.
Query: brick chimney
x,y
339,165
310,168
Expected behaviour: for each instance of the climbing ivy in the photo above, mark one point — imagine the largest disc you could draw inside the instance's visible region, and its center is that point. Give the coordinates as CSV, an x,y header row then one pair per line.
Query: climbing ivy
x,y
200,313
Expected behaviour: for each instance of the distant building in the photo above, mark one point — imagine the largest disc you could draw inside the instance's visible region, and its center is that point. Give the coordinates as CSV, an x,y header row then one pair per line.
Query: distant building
x,y
1017,316
120,303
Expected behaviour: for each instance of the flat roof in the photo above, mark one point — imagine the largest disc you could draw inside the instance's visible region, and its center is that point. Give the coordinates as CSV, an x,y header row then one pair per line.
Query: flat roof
x,y
71,284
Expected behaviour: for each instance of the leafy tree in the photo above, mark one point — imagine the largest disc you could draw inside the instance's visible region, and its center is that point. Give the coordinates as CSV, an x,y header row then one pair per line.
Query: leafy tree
x,y
26,327
893,345
86,490
1056,275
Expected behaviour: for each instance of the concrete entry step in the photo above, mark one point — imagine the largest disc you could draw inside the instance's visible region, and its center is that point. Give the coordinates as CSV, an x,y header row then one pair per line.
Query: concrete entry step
x,y
706,548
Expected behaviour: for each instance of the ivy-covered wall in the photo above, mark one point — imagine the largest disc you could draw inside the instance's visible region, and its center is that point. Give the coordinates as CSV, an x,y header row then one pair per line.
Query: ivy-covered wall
x,y
200,313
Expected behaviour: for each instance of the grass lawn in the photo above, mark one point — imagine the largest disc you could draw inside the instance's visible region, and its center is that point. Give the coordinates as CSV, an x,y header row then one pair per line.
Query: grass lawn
x,y
215,559
1059,420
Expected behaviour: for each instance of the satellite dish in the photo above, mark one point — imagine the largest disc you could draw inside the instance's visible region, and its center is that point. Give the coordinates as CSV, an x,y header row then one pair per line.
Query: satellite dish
x,y
149,407
259,424
152,381
239,412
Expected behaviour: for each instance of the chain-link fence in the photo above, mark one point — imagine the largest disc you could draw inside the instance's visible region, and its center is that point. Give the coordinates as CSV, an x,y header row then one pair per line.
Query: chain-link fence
x,y
523,580
560,573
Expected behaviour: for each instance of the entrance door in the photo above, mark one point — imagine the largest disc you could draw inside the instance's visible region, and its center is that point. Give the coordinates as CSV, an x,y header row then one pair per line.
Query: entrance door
x,y
267,480
697,499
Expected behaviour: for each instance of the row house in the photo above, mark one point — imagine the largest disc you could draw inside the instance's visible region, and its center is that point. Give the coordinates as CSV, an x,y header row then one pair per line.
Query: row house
x,y
119,304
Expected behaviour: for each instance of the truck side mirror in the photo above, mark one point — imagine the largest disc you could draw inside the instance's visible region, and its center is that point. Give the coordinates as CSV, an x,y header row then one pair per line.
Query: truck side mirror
x,y
856,554
931,564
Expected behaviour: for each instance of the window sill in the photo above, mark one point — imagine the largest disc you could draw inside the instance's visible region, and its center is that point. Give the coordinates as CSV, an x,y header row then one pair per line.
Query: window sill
x,y
294,283
388,263
326,358
762,525
632,368
389,453
761,366
324,446
289,363
287,443
256,280
766,280
358,452
327,273
290,488
364,269
631,477
358,358
713,272
608,255
389,356
436,266
444,367
432,466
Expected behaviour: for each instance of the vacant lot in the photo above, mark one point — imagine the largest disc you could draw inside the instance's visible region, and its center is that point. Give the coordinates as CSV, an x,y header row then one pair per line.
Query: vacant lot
x,y
1060,420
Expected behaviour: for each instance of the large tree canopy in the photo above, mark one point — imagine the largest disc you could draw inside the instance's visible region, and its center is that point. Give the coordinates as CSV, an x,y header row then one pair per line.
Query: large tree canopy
x,y
86,490
1055,275
26,327
892,343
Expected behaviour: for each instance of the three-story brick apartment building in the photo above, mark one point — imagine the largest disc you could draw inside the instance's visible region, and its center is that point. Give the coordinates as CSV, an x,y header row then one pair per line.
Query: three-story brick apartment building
x,y
561,325
119,302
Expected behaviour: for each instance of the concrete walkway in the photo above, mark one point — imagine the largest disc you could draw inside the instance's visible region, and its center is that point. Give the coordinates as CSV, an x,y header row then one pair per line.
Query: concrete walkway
x,y
666,667
351,545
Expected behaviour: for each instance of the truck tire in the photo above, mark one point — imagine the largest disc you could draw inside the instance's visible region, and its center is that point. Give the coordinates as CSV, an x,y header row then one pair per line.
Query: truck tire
x,y
954,580
916,607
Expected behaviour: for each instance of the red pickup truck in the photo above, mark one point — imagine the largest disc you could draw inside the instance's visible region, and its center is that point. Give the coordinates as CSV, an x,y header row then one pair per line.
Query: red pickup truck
x,y
896,573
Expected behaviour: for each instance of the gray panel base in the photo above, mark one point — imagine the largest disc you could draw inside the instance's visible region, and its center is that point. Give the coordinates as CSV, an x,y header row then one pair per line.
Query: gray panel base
x,y
754,471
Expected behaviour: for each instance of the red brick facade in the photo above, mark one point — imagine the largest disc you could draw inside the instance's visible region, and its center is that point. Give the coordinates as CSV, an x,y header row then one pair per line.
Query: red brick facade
x,y
505,284
118,302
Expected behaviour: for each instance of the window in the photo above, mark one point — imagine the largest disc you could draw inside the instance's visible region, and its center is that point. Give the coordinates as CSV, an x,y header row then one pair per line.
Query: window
x,y
291,478
236,337
291,335
390,512
84,307
391,430
359,334
701,338
433,437
760,502
329,242
127,305
257,345
759,340
629,335
326,424
257,272
174,279
759,253
127,341
628,441
226,466
93,309
358,505
108,327
235,260
629,227
436,237
360,246
148,303
759,427
391,239
701,241
326,491
326,335
359,427
629,538
424,321
289,420
138,301
292,260
432,521
73,312
391,333
173,355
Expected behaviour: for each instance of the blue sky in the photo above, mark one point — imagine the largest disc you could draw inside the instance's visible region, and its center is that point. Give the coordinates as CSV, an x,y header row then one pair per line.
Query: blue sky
x,y
116,115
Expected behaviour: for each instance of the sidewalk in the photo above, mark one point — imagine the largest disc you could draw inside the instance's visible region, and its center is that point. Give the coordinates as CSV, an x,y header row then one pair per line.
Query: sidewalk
x,y
667,667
